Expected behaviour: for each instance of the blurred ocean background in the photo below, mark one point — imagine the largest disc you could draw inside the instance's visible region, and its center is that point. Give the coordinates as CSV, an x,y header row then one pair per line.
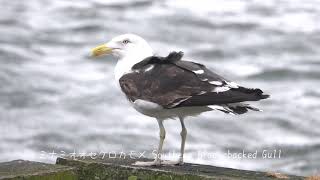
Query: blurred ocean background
x,y
53,97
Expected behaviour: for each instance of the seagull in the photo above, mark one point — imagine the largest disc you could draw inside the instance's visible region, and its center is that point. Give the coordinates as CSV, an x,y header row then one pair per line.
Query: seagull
x,y
171,88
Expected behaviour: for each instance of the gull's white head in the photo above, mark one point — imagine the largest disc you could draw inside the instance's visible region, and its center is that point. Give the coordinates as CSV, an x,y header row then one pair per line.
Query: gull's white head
x,y
124,46
129,48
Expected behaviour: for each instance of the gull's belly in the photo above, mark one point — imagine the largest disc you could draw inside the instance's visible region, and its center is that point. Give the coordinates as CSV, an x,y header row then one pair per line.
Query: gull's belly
x,y
147,108
155,110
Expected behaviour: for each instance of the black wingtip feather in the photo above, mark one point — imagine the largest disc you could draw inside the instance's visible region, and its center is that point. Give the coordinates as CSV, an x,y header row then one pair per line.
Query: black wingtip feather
x,y
265,96
257,92
261,95
241,108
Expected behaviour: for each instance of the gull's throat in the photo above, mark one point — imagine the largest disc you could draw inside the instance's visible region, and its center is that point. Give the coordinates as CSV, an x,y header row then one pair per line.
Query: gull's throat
x,y
126,62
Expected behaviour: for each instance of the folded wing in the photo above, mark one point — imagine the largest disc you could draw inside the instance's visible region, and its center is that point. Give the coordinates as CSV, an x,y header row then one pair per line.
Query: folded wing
x,y
171,83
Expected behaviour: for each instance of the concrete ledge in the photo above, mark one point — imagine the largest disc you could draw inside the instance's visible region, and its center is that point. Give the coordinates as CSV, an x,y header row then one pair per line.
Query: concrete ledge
x,y
28,170
86,168
119,168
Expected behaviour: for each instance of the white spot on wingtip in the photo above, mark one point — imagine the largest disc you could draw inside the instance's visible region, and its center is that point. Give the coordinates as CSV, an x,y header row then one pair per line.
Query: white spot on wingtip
x,y
218,83
199,71
220,89
232,84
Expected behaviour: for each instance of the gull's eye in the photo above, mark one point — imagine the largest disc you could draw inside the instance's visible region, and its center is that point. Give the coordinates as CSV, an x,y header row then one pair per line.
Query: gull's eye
x,y
126,41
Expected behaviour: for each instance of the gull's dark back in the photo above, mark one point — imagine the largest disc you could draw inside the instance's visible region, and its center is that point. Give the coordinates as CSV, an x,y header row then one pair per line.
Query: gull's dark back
x,y
172,83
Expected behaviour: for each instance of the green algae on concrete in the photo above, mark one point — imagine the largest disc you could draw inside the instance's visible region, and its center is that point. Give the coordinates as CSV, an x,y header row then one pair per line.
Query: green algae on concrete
x,y
28,170
120,168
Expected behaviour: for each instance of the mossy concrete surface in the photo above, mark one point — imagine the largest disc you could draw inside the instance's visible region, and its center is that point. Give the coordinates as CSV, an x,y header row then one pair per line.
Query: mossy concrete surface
x,y
28,170
119,168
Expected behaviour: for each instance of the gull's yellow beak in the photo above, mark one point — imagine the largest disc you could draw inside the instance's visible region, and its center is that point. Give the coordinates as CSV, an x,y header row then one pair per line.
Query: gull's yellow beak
x,y
100,50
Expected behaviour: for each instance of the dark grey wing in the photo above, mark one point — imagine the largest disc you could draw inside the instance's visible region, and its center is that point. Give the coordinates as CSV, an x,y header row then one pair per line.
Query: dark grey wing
x,y
223,91
171,83
165,84
201,71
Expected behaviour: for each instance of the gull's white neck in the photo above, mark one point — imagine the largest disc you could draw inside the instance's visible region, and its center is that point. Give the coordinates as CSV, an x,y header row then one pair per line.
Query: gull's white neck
x,y
126,62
